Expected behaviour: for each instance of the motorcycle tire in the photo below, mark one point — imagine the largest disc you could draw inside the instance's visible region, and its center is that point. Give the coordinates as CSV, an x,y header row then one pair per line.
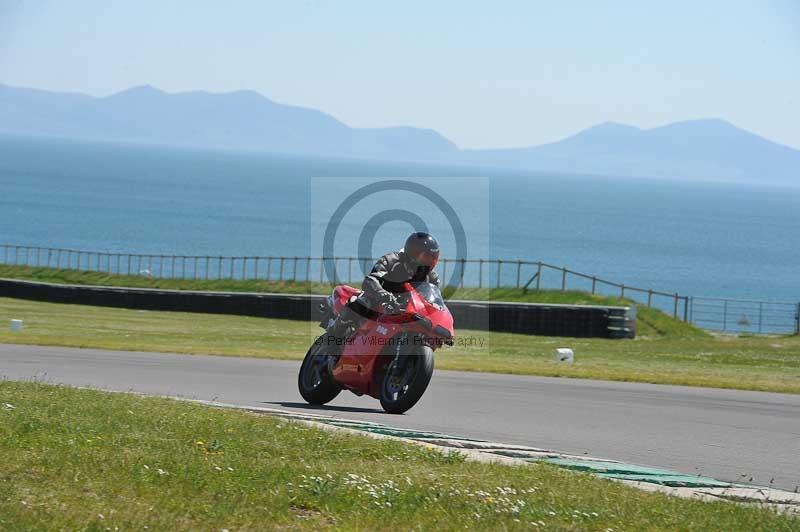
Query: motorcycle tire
x,y
400,392
314,381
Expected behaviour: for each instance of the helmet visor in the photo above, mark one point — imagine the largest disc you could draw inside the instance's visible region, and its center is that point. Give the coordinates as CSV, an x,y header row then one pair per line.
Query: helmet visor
x,y
426,258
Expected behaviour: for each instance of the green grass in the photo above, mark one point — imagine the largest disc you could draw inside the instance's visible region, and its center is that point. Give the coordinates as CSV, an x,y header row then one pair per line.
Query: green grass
x,y
651,322
752,363
84,460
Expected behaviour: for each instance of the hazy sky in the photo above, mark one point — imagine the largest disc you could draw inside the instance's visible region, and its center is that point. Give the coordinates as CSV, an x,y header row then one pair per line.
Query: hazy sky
x,y
485,74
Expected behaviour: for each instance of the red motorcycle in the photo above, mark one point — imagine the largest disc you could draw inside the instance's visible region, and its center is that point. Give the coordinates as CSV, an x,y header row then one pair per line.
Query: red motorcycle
x,y
389,357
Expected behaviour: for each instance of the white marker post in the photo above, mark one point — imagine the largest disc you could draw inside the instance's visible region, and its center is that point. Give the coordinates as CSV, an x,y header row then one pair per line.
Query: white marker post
x,y
563,354
16,325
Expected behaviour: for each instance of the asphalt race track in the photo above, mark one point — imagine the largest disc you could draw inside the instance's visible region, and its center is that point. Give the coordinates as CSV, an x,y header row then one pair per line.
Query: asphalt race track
x,y
727,434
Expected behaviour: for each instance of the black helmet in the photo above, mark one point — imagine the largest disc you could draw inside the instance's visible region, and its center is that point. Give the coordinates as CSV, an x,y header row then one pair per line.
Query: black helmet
x,y
422,249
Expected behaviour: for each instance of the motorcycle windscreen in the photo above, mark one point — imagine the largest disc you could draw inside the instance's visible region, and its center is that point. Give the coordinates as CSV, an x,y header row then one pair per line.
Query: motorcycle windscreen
x,y
431,294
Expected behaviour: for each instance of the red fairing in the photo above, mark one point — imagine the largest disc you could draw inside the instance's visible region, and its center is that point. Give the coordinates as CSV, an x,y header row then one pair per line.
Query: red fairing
x,y
341,296
371,348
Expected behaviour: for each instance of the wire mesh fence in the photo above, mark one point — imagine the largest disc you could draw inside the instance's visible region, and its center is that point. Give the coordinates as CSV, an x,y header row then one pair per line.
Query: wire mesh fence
x,y
726,315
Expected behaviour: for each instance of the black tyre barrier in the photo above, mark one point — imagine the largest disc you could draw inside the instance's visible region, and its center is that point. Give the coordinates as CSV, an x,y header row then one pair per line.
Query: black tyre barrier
x,y
583,321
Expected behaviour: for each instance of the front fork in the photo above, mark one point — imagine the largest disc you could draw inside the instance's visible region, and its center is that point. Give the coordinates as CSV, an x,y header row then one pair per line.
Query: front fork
x,y
400,361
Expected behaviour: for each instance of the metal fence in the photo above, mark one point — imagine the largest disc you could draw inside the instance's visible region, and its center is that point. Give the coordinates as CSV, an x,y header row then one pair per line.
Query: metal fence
x,y
745,315
470,273
726,315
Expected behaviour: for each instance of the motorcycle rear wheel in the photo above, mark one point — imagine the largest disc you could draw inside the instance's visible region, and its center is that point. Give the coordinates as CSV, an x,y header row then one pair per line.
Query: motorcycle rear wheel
x,y
314,381
406,379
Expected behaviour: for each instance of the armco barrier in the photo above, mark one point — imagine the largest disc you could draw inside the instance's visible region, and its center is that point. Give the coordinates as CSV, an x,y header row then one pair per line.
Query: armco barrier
x,y
524,318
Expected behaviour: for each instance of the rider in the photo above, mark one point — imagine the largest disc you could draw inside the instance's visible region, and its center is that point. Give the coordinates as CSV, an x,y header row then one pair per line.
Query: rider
x,y
414,263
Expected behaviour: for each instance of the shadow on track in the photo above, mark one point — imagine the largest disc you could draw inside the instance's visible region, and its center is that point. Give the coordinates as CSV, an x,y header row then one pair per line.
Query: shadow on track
x,y
328,408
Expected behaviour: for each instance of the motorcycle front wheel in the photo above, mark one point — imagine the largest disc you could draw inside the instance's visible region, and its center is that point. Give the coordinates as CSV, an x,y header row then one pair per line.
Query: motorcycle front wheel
x,y
406,379
315,382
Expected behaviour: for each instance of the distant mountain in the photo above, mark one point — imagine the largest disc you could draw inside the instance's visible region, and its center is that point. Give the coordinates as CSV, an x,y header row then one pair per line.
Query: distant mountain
x,y
235,120
700,149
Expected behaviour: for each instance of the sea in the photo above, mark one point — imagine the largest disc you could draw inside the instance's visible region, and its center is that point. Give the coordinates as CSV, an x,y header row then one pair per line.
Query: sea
x,y
695,238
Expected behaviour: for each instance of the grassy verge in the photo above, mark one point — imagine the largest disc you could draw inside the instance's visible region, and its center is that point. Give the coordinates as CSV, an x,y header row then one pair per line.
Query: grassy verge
x,y
78,459
651,322
754,363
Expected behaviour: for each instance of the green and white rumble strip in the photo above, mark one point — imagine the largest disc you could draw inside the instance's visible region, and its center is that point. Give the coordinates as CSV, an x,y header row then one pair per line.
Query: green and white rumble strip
x,y
645,478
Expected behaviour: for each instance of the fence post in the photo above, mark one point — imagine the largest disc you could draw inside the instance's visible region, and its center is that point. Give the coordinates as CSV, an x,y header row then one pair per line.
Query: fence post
x,y
499,271
686,309
463,269
444,271
724,314
480,273
563,279
650,298
208,265
622,291
280,273
675,311
233,263
797,321
538,275
244,269
519,267
219,268
308,269
760,314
